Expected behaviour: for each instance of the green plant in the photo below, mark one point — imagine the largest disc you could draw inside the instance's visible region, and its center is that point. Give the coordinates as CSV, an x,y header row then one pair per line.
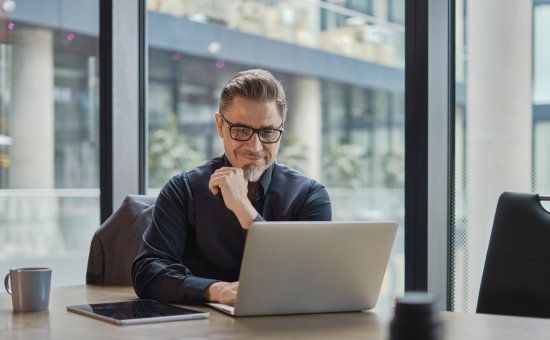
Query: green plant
x,y
171,152
293,153
342,165
394,170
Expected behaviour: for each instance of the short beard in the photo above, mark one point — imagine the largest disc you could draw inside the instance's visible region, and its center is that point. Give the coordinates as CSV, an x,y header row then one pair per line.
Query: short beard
x,y
252,173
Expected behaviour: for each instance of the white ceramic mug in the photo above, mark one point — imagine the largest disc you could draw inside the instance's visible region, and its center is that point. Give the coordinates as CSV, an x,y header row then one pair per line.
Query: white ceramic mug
x,y
29,288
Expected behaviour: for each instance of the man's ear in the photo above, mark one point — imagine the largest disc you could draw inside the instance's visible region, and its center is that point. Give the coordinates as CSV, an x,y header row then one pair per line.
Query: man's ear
x,y
219,123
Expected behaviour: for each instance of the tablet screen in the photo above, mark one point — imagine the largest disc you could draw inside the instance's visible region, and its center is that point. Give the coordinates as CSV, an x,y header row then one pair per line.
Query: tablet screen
x,y
137,311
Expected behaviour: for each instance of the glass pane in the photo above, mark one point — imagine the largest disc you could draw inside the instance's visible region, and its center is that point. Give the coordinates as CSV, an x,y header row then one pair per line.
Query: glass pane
x,y
342,67
502,120
49,140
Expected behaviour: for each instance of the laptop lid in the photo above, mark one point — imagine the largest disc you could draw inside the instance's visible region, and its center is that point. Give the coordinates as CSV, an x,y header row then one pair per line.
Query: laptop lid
x,y
313,267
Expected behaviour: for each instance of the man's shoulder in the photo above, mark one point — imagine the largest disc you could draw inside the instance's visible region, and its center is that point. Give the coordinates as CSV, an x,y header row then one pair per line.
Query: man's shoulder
x,y
284,172
202,171
291,185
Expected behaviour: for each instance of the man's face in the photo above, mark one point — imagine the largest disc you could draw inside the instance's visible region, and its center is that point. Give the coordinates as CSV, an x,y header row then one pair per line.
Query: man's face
x,y
252,156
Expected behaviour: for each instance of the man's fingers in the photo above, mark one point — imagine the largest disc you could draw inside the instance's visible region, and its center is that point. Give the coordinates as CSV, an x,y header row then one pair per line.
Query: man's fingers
x,y
221,177
216,180
214,189
213,186
229,293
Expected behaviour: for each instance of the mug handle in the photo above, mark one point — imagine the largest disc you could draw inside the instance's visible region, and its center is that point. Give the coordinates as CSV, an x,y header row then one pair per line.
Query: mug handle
x,y
7,283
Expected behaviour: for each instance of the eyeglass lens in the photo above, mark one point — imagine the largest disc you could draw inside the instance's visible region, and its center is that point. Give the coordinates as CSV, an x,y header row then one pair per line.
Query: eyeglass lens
x,y
243,134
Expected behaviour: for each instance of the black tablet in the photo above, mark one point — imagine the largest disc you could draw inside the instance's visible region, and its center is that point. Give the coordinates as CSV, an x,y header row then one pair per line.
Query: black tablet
x,y
136,312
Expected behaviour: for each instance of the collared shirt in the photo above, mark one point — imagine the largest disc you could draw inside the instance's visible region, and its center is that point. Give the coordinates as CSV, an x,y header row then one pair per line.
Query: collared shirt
x,y
194,240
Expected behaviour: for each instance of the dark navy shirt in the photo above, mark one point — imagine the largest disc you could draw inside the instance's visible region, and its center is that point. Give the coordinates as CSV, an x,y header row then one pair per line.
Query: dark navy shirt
x,y
194,240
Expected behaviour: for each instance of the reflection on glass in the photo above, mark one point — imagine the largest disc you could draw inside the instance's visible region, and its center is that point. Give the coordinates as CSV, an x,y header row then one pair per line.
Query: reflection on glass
x,y
502,119
49,140
344,128
359,29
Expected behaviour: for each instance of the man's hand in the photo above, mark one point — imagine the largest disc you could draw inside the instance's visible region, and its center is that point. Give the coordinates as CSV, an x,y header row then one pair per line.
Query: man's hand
x,y
232,184
234,188
222,292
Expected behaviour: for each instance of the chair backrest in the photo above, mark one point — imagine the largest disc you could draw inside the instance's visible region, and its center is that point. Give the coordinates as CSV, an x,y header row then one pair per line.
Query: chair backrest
x,y
117,241
516,276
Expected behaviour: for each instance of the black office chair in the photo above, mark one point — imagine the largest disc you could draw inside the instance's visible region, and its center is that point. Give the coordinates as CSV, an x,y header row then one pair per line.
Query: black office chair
x,y
116,243
516,276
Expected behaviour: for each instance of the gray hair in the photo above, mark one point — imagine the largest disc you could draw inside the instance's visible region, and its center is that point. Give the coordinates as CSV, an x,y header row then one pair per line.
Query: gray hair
x,y
256,84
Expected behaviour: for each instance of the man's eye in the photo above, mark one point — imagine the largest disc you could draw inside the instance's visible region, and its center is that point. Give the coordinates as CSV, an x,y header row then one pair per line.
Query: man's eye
x,y
268,133
241,131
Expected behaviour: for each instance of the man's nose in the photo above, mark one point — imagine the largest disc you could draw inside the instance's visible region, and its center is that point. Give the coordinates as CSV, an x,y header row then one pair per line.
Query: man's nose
x,y
255,142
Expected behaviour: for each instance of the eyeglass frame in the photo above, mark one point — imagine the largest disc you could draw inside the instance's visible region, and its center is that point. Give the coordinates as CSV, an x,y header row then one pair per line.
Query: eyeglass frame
x,y
254,131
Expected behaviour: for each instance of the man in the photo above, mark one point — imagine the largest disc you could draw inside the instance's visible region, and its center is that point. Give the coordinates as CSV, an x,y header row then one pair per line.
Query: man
x,y
192,250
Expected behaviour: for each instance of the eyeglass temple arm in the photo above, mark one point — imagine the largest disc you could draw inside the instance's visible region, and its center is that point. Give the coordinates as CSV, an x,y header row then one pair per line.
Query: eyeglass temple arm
x,y
544,197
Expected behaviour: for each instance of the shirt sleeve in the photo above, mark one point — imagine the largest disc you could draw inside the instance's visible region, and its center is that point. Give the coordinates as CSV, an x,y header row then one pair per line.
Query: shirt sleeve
x,y
317,206
157,271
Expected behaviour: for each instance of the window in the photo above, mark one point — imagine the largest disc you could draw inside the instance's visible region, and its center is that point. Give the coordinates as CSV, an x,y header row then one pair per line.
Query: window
x,y
502,120
342,68
49,169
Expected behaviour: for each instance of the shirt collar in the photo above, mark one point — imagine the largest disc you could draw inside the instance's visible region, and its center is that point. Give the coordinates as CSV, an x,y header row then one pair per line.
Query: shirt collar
x,y
264,181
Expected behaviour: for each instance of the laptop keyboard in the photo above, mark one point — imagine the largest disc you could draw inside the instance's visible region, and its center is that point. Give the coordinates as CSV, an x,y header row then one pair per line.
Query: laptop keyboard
x,y
222,307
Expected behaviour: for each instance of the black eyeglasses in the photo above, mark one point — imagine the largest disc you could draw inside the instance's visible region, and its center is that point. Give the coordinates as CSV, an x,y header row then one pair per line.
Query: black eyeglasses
x,y
243,133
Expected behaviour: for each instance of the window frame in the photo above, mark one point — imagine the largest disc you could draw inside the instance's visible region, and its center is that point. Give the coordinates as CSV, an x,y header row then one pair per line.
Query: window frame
x,y
123,148
429,138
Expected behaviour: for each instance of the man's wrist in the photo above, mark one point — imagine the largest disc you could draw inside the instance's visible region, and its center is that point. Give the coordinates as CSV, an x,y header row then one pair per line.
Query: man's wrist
x,y
246,215
211,292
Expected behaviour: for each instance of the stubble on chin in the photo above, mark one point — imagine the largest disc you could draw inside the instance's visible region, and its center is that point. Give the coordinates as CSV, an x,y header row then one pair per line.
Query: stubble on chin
x,y
252,173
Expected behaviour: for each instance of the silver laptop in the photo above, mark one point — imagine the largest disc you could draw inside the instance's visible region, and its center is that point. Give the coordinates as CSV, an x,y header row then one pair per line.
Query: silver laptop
x,y
312,267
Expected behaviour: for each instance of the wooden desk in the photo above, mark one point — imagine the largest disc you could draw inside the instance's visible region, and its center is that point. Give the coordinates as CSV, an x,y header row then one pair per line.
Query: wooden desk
x,y
57,323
